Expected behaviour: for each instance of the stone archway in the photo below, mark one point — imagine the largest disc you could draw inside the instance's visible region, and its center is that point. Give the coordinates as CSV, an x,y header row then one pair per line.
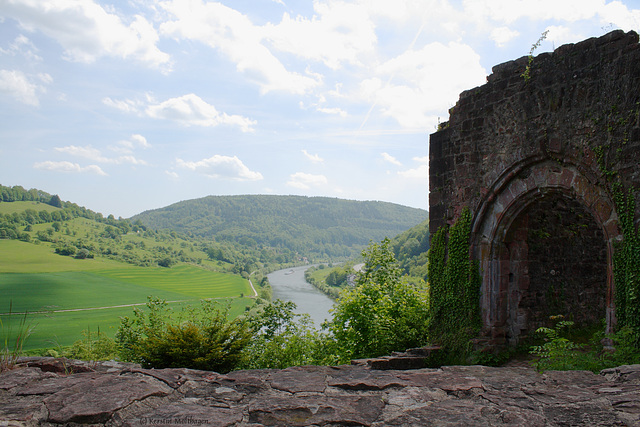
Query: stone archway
x,y
536,203
562,141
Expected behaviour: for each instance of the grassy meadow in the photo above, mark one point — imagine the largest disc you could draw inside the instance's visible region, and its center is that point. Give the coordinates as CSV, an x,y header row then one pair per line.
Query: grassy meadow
x,y
65,296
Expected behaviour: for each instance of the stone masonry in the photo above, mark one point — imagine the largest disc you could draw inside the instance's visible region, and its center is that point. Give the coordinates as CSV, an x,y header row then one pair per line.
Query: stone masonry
x,y
58,392
535,158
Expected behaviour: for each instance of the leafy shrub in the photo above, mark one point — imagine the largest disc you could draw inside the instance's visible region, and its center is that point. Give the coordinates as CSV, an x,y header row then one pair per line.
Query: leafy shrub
x,y
560,353
83,254
97,346
282,338
198,338
382,313
165,262
66,250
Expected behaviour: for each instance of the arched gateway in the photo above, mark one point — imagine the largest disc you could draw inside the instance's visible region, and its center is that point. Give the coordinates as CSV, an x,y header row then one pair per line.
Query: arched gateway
x,y
537,161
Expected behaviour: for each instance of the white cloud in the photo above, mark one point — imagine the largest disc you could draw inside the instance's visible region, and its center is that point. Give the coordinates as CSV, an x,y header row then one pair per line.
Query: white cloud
x,y
416,89
337,111
127,106
421,172
69,167
90,153
305,181
14,83
509,11
23,46
172,175
618,14
389,158
191,110
503,35
221,167
315,158
127,146
338,32
559,35
87,31
233,34
140,140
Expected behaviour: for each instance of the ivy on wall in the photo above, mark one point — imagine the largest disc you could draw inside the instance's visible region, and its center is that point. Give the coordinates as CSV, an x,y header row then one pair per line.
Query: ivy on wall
x,y
626,265
626,257
454,282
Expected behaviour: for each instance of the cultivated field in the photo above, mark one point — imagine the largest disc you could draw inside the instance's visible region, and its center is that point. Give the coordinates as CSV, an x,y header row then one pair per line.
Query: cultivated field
x,y
65,296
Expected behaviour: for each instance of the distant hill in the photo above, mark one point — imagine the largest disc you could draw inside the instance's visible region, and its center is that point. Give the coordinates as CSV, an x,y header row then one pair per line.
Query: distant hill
x,y
311,226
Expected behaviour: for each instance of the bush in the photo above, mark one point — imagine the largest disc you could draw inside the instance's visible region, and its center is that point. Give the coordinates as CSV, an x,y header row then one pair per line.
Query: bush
x,y
66,250
165,262
83,254
382,313
199,338
282,338
560,353
97,346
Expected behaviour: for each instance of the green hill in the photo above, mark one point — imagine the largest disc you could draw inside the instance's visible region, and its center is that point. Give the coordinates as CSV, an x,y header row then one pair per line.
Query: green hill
x,y
316,227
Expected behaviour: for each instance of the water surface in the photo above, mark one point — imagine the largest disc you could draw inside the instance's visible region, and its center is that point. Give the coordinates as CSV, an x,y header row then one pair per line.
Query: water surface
x,y
289,285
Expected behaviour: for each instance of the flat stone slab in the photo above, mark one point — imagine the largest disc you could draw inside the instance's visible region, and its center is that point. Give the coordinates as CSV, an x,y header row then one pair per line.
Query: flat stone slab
x,y
124,395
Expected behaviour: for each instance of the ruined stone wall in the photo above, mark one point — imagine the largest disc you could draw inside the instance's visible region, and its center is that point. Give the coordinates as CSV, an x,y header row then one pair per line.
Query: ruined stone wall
x,y
518,148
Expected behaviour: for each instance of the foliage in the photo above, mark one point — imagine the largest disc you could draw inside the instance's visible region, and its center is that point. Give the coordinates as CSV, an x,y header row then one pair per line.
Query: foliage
x,y
13,341
454,283
197,338
626,257
559,352
411,248
627,266
526,75
97,346
382,313
282,338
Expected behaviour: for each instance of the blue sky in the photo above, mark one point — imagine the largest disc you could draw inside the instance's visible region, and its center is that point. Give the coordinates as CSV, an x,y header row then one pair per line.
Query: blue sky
x,y
125,106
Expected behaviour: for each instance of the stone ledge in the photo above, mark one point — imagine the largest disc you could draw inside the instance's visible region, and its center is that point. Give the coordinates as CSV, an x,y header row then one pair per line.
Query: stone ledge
x,y
115,394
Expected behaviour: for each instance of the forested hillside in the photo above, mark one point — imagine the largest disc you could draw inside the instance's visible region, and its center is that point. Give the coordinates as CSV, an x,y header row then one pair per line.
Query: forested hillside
x,y
410,249
40,218
316,227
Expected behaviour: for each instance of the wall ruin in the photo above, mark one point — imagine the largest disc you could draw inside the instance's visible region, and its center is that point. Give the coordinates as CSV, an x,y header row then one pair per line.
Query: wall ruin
x,y
535,159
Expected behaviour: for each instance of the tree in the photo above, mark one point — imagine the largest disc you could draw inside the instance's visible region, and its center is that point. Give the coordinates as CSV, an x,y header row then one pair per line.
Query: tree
x,y
282,338
382,313
55,201
83,254
165,262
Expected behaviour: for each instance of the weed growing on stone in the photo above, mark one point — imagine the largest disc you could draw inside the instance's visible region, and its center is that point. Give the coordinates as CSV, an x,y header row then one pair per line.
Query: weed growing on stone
x,y
526,75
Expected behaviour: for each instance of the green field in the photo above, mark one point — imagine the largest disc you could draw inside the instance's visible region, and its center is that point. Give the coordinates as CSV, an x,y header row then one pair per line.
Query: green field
x,y
9,208
65,296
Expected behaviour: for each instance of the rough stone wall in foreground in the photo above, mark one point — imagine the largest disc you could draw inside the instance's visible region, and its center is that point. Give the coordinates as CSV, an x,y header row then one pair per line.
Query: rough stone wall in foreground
x,y
534,159
41,392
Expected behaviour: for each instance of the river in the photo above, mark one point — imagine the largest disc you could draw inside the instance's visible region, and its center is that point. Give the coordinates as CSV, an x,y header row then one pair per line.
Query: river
x,y
289,285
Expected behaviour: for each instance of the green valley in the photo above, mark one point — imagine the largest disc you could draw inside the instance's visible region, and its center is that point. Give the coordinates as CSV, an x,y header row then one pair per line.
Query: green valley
x,y
75,270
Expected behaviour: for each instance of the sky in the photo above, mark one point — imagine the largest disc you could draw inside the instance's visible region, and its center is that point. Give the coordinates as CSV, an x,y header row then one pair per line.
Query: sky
x,y
123,106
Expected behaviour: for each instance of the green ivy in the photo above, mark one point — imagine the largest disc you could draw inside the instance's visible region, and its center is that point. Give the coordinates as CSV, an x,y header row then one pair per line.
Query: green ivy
x,y
454,282
626,258
626,264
